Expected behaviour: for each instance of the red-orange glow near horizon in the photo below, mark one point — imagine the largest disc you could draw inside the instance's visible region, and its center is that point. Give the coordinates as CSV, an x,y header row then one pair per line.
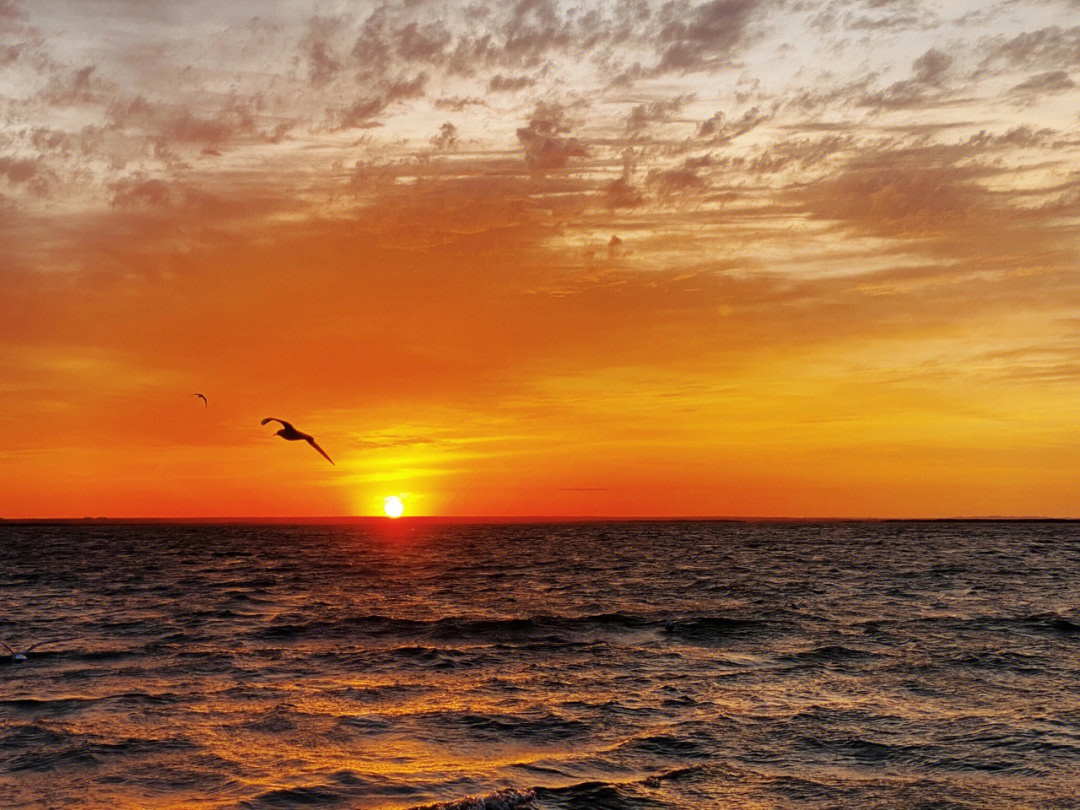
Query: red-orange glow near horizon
x,y
616,259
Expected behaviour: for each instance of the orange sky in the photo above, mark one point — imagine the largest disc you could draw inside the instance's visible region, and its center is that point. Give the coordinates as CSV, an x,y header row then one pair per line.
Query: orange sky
x,y
631,258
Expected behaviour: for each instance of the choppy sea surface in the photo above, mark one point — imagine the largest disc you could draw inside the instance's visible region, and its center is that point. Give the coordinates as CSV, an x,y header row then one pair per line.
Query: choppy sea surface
x,y
618,665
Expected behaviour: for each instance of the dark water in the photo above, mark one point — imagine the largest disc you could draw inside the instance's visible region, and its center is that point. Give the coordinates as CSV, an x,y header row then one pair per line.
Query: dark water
x,y
648,665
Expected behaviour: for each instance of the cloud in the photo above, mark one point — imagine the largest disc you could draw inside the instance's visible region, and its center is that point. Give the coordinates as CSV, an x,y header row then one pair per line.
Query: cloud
x,y
655,112
525,36
439,212
615,248
10,53
458,103
323,64
1022,137
800,153
1065,204
1052,81
1051,48
892,16
546,140
534,28
18,171
183,126
621,194
718,130
10,10
170,127
500,83
693,39
75,87
901,194
422,43
394,440
406,88
951,202
931,68
447,137
168,198
684,178
927,83
361,113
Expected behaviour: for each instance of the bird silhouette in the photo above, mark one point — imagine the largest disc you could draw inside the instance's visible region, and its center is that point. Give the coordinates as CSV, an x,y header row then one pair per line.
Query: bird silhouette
x,y
22,656
200,396
291,434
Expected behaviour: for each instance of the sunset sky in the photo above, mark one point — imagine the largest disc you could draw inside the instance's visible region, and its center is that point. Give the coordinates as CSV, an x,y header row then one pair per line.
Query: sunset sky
x,y
630,258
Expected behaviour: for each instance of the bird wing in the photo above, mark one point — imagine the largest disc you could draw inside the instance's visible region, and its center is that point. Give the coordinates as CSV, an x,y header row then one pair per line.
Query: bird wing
x,y
311,441
203,398
38,644
284,424
6,647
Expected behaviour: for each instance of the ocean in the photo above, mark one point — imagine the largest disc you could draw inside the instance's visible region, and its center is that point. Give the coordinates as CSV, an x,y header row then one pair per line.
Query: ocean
x,y
636,665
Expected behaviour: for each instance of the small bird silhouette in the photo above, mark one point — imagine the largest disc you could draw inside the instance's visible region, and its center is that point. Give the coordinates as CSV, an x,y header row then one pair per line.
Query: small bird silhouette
x,y
291,434
200,396
21,656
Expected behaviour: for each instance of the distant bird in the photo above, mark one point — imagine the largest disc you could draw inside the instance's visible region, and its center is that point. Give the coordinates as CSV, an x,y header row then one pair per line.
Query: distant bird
x,y
291,434
22,656
200,396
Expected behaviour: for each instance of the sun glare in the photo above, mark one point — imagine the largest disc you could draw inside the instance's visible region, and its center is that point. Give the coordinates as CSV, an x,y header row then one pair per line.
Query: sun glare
x,y
393,506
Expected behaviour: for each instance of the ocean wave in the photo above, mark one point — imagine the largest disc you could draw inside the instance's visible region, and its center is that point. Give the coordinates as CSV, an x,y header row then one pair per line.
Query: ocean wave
x,y
368,724
827,654
709,629
1049,624
507,799
1005,661
388,692
537,729
667,745
454,627
630,794
305,796
429,657
862,751
61,706
344,787
44,750
49,707
96,655
1052,623
540,628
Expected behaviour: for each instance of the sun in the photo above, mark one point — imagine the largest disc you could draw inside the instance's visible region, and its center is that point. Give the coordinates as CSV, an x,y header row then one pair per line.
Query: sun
x,y
393,506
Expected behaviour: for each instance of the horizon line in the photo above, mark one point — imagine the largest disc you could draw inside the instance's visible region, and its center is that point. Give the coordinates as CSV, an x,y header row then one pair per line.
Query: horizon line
x,y
316,520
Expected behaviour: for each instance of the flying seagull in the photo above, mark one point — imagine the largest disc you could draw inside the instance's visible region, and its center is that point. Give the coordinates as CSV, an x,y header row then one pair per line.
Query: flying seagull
x,y
21,656
200,396
291,434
